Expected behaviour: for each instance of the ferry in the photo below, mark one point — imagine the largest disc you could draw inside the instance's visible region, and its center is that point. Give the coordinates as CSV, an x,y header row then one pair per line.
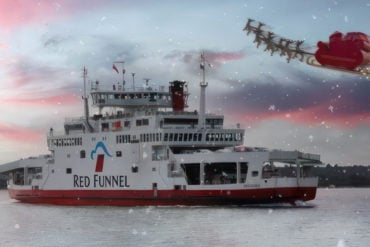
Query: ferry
x,y
143,148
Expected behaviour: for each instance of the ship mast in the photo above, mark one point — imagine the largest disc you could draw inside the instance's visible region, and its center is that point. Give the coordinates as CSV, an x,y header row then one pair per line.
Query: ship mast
x,y
203,85
86,102
84,97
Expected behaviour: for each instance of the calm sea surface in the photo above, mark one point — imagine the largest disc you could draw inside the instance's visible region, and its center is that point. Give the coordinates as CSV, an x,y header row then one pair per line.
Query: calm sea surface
x,y
338,217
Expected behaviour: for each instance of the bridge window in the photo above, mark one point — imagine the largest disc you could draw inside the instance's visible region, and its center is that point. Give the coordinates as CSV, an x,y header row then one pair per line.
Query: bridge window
x,y
122,139
190,137
142,122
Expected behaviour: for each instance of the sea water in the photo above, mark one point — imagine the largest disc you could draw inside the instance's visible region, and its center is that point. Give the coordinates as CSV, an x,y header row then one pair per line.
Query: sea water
x,y
337,217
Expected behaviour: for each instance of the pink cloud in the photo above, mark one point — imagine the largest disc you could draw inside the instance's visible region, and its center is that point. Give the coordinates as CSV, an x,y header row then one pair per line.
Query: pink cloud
x,y
16,13
213,58
20,134
318,115
51,100
221,57
3,46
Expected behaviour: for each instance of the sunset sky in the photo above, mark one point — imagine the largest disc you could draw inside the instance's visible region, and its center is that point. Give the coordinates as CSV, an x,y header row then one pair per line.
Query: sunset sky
x,y
44,44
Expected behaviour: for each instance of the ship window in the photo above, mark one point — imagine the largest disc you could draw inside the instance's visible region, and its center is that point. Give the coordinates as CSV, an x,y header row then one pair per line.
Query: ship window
x,y
175,137
220,173
105,126
127,124
180,137
185,137
157,137
145,121
254,173
122,138
118,153
69,170
190,137
243,171
165,138
171,137
134,169
159,153
199,137
138,122
269,170
192,172
82,154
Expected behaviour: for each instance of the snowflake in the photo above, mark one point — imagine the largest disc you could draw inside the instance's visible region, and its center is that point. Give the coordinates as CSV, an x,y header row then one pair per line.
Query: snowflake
x,y
310,137
272,108
331,108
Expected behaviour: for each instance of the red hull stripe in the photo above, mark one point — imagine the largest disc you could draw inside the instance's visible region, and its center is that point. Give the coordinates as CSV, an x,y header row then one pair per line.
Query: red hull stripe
x,y
164,197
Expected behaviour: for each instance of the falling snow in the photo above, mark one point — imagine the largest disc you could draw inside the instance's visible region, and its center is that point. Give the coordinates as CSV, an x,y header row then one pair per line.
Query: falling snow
x,y
341,243
331,108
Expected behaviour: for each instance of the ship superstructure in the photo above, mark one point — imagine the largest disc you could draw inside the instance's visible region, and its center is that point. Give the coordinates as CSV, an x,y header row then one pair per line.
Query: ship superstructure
x,y
144,148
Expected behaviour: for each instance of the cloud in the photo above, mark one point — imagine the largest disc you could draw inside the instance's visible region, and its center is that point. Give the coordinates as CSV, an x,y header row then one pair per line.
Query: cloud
x,y
213,57
344,102
20,134
21,13
64,99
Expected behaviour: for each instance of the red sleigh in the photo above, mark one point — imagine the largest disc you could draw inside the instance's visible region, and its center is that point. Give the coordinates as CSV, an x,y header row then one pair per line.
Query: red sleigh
x,y
348,51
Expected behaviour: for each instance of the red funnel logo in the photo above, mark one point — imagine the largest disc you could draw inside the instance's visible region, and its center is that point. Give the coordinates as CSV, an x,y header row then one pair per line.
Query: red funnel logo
x,y
100,157
99,163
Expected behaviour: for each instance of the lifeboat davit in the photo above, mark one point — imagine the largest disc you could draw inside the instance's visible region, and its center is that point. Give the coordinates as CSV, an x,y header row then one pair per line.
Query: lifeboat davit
x,y
344,51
